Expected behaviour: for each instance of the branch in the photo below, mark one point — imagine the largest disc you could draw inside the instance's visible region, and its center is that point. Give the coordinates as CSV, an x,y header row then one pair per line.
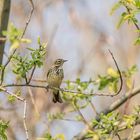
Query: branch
x,y
33,102
80,113
120,75
137,136
24,120
60,89
29,18
2,39
33,70
129,11
122,100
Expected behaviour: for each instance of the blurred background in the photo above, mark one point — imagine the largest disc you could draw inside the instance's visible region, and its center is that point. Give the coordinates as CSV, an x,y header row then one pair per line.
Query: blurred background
x,y
80,31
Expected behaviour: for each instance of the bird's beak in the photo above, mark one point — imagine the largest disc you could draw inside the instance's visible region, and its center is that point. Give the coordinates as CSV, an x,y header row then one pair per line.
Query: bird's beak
x,y
65,60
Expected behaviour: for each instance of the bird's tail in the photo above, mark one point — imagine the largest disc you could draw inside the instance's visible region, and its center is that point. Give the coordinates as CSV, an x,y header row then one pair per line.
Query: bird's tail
x,y
57,97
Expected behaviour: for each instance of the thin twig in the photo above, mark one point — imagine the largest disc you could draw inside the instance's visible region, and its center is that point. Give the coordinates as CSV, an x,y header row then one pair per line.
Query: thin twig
x,y
33,102
93,107
26,80
33,70
2,39
5,65
136,25
24,120
29,18
10,93
120,75
119,138
137,136
90,81
80,113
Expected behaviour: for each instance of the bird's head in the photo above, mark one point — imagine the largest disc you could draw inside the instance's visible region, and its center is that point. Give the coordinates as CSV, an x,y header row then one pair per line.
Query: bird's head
x,y
59,62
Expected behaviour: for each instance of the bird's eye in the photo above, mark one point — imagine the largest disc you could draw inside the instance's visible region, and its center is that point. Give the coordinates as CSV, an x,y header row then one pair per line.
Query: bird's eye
x,y
58,61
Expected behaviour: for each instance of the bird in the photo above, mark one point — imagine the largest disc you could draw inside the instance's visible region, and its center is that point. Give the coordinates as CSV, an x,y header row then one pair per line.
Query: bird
x,y
55,76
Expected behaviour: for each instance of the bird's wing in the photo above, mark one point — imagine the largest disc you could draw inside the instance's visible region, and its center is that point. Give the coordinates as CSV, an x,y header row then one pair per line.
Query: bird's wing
x,y
50,70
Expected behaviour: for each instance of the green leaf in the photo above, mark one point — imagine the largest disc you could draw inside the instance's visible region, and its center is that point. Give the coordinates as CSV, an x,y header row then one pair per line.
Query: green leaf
x,y
121,21
137,3
104,81
137,41
11,98
3,127
25,40
15,45
115,7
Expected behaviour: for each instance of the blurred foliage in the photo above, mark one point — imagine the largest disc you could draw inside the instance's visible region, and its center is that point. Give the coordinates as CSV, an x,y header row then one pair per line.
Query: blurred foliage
x,y
3,127
48,136
13,35
52,117
109,125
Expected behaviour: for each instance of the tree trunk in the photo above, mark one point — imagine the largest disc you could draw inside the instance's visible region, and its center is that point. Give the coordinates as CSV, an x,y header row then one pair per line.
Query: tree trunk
x,y
4,17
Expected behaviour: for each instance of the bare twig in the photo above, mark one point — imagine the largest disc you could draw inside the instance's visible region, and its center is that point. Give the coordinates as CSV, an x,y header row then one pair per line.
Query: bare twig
x,y
122,100
136,25
33,70
119,138
33,101
80,113
24,120
5,65
10,93
137,136
2,39
26,80
29,18
93,107
120,75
